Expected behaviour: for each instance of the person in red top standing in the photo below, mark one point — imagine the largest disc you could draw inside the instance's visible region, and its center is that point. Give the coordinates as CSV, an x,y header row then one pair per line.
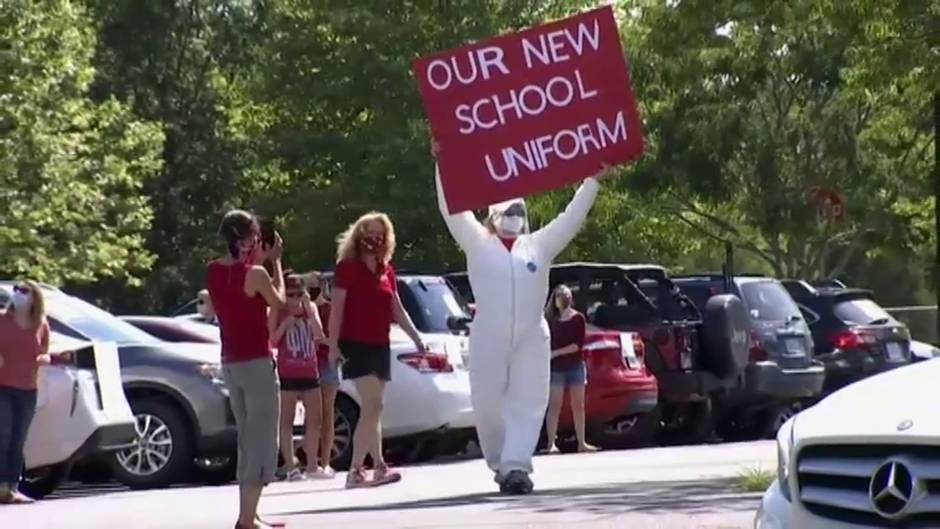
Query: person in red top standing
x,y
241,292
567,366
24,345
296,329
365,302
329,374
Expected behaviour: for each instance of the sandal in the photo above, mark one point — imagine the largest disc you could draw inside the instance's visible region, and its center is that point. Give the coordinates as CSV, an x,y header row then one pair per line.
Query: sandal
x,y
384,475
356,478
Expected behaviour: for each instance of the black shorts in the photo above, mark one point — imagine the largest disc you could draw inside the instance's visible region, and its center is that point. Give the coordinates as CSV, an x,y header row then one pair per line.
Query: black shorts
x,y
364,359
299,384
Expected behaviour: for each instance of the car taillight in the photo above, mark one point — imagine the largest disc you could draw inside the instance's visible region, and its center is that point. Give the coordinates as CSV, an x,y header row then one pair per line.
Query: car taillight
x,y
852,339
427,362
684,349
757,351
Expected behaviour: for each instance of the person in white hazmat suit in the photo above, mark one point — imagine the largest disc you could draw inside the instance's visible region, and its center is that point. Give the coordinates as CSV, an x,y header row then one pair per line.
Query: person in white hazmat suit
x,y
508,269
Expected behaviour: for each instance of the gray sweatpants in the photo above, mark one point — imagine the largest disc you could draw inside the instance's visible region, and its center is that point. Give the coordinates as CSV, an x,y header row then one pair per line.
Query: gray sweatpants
x,y
255,398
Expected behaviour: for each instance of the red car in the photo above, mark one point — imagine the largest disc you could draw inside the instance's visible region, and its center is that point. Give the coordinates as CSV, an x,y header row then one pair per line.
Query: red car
x,y
622,395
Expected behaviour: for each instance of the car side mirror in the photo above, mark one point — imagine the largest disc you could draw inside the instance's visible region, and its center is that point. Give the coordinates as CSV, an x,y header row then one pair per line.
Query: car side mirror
x,y
458,323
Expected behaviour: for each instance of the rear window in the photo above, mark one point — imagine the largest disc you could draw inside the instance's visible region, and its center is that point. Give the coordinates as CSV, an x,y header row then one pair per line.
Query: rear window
x,y
431,302
699,294
92,322
861,311
768,301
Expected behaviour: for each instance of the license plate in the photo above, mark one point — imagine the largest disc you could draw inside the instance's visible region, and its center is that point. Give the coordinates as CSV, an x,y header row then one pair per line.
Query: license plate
x,y
895,352
794,347
626,348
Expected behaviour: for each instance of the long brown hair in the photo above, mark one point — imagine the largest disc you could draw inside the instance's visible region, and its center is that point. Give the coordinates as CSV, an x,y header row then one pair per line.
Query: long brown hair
x,y
551,310
37,310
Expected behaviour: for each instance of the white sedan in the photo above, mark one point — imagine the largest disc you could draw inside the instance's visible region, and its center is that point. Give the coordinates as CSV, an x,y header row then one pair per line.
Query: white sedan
x,y
867,456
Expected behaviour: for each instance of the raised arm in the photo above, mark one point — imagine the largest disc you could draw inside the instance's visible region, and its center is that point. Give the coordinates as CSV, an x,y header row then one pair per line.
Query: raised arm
x,y
464,227
554,237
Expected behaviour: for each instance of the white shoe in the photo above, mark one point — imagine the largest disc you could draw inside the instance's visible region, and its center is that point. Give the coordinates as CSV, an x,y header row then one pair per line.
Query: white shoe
x,y
318,474
295,475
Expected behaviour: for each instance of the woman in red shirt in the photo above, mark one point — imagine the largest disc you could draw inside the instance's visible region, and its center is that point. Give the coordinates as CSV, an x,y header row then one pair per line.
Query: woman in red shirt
x,y
364,305
296,329
568,367
241,291
24,345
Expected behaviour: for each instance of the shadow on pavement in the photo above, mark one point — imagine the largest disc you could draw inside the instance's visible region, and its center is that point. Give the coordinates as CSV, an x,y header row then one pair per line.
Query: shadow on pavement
x,y
672,497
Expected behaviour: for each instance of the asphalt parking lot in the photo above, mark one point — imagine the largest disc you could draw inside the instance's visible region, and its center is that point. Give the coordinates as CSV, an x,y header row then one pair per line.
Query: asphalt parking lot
x,y
656,488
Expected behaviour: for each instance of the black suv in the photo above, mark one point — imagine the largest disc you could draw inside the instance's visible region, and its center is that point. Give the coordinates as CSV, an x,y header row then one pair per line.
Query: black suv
x,y
694,354
781,372
854,336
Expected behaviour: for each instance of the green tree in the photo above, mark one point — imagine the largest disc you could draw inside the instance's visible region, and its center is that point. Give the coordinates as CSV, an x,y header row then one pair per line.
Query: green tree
x,y
71,169
172,62
750,105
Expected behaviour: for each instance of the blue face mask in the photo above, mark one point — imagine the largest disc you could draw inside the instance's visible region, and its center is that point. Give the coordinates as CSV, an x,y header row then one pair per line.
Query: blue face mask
x,y
22,301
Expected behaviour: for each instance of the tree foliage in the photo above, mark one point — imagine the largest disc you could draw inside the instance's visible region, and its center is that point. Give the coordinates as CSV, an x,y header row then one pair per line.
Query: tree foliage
x,y
71,169
127,128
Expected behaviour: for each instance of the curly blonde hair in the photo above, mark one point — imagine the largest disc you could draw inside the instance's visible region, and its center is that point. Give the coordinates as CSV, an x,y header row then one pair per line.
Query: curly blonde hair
x,y
348,241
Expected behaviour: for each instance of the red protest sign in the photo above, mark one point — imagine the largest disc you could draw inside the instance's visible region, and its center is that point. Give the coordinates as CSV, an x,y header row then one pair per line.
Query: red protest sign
x,y
530,111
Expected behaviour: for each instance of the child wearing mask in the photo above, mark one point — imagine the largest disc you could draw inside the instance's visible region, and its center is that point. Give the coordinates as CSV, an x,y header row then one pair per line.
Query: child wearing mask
x,y
295,329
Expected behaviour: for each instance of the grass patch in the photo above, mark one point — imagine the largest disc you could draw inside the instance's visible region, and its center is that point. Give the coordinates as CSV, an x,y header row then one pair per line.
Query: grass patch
x,y
755,479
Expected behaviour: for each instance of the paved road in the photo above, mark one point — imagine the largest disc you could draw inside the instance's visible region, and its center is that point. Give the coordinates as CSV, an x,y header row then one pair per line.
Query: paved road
x,y
658,488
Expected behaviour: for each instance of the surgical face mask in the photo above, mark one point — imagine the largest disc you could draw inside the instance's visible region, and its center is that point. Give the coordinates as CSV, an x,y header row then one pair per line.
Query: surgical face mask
x,y
510,225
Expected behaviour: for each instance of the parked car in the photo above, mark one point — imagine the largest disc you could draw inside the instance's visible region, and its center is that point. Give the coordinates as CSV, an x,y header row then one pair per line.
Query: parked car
x,y
175,329
781,374
866,456
621,397
695,356
854,336
184,427
427,408
81,412
921,351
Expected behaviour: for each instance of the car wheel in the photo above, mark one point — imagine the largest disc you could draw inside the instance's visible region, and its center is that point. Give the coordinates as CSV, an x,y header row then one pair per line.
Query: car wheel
x,y
162,453
773,419
40,482
689,423
344,426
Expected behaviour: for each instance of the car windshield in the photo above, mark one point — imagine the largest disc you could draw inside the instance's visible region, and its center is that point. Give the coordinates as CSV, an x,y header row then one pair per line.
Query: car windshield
x,y
861,311
433,304
769,301
92,322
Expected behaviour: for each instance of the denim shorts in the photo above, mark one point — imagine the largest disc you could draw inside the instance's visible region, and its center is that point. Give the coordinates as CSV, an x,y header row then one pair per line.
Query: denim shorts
x,y
329,376
573,376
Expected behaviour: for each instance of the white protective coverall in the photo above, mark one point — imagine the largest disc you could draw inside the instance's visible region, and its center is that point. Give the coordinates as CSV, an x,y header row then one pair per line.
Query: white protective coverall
x,y
510,345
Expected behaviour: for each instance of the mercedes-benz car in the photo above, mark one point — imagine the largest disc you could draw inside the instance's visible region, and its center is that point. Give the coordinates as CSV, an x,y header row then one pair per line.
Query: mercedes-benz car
x,y
866,456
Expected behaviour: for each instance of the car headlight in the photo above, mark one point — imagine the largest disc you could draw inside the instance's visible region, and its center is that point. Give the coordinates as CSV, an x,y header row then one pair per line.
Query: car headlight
x,y
784,450
213,372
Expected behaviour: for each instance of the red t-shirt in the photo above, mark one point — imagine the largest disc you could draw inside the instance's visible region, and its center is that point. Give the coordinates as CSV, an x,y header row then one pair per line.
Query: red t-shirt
x,y
296,352
323,350
567,332
243,320
367,317
20,348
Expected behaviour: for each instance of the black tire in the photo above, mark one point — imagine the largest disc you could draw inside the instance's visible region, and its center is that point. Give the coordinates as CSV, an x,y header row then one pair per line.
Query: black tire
x,y
423,451
40,482
771,420
347,415
154,472
626,432
688,423
222,474
727,327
